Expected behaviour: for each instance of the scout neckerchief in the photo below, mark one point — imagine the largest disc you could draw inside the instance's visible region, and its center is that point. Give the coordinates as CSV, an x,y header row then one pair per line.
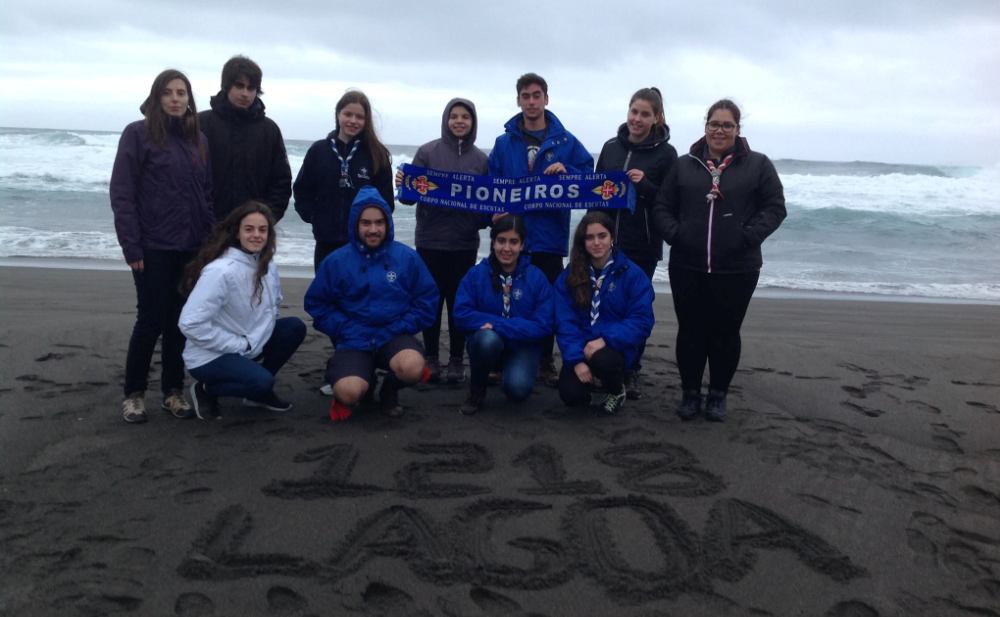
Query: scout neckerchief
x,y
716,176
506,282
595,283
345,179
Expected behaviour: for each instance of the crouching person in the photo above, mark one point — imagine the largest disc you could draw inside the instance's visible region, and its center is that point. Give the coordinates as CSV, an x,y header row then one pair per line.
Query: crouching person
x,y
504,305
236,343
371,297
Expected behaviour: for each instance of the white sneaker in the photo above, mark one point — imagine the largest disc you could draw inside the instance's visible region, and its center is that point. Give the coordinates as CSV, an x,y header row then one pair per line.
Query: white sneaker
x,y
326,389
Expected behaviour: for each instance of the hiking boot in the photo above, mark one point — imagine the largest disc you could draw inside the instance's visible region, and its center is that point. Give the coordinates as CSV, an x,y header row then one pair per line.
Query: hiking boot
x,y
455,371
633,390
389,397
178,407
435,371
134,408
270,402
339,411
715,406
206,406
472,404
690,405
547,373
612,403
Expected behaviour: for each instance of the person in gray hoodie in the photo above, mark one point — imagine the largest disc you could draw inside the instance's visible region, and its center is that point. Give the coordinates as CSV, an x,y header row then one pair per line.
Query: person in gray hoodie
x,y
448,240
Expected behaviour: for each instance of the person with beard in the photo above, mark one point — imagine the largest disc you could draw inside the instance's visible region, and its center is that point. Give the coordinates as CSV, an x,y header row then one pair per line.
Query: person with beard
x,y
371,297
642,150
249,161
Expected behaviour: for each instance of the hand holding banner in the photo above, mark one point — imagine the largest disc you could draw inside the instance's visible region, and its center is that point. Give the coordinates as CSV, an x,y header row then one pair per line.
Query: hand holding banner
x,y
496,195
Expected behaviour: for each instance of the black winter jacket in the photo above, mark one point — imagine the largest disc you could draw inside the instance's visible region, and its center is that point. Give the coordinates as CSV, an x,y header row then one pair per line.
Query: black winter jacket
x,y
319,198
634,233
724,235
248,155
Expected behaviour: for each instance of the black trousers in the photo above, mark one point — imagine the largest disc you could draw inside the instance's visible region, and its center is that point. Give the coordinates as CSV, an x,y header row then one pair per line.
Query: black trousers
x,y
158,307
447,268
322,250
710,310
648,266
607,365
551,266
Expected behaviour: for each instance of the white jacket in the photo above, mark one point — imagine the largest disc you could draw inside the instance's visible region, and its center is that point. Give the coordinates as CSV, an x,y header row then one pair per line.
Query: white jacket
x,y
221,316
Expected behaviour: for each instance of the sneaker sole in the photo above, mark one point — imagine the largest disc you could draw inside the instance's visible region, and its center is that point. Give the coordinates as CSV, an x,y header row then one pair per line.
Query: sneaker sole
x,y
185,415
251,403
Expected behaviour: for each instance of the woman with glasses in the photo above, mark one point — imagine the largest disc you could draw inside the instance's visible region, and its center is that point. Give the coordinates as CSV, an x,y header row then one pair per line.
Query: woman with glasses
x,y
715,208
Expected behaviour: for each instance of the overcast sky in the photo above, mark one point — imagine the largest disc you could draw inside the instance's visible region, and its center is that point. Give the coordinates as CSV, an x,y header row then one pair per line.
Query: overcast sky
x,y
912,81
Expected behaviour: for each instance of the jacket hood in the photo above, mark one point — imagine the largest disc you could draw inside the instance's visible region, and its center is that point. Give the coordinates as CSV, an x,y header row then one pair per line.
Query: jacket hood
x,y
368,197
447,136
553,127
699,148
221,105
657,136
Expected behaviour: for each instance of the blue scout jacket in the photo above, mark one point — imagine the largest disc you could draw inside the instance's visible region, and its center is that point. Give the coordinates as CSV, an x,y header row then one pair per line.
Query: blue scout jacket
x,y
626,313
362,298
531,308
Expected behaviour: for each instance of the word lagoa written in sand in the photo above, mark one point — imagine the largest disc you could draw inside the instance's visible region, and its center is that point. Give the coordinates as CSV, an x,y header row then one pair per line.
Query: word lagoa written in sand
x,y
472,545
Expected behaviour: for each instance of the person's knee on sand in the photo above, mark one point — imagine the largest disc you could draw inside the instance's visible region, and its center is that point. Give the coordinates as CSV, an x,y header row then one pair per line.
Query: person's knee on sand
x,y
350,390
407,365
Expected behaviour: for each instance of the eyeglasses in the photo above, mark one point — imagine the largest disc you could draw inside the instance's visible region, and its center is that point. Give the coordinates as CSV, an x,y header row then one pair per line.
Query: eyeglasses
x,y
727,127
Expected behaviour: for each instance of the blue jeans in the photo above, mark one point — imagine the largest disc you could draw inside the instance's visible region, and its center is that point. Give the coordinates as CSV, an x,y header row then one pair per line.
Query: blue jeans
x,y
234,375
488,352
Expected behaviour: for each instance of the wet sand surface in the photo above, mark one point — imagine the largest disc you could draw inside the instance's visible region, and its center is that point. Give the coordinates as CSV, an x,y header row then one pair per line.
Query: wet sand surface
x,y
858,475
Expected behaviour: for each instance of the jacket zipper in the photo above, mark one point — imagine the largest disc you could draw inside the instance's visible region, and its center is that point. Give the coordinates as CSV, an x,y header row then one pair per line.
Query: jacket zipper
x,y
711,216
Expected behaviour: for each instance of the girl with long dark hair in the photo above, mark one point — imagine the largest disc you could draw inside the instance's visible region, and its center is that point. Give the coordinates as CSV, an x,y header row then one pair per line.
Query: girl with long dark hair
x,y
717,205
335,168
231,316
504,305
161,197
604,314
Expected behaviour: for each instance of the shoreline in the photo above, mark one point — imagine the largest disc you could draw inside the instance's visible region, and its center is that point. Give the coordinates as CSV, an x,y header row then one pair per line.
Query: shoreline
x,y
305,272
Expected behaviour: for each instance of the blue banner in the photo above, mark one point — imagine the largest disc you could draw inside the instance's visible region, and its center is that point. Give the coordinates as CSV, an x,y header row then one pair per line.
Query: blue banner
x,y
495,195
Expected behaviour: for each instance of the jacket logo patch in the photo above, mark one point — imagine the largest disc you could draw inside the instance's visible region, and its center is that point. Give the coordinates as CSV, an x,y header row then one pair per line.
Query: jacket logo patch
x,y
550,156
611,287
517,294
363,174
391,276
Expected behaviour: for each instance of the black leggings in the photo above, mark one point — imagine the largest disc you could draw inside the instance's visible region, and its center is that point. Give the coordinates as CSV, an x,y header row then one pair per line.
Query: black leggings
x,y
447,268
551,266
710,310
648,266
322,250
607,365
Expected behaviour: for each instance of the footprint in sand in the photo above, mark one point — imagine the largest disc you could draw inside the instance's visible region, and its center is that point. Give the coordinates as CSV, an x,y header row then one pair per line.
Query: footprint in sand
x,y
285,602
194,605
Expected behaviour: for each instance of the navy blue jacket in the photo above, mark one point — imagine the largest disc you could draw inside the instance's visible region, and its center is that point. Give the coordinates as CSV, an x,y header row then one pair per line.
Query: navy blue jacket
x,y
362,298
548,232
319,198
626,318
531,304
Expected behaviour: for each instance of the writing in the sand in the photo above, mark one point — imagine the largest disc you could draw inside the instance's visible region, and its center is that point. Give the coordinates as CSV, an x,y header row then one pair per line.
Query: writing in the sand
x,y
474,545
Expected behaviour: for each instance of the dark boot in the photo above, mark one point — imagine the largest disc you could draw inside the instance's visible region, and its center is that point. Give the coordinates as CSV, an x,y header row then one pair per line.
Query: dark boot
x,y
472,404
633,390
715,406
389,396
690,405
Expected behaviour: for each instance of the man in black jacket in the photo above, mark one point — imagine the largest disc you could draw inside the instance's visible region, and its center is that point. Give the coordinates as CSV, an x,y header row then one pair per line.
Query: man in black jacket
x,y
247,151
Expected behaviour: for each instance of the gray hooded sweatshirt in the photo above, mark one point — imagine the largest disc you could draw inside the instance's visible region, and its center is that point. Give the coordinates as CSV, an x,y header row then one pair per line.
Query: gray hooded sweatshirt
x,y
447,229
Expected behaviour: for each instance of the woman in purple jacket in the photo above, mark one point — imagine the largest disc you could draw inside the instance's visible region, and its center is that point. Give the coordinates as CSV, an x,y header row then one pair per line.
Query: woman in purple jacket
x,y
161,198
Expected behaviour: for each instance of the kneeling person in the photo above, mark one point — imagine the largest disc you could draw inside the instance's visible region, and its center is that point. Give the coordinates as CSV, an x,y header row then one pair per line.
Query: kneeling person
x,y
371,297
504,305
231,317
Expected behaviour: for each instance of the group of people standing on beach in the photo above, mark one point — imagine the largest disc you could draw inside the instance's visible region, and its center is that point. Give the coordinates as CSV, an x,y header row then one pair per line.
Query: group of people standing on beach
x,y
197,196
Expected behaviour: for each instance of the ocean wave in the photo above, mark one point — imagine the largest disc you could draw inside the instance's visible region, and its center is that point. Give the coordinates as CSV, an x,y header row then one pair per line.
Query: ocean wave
x,y
964,291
